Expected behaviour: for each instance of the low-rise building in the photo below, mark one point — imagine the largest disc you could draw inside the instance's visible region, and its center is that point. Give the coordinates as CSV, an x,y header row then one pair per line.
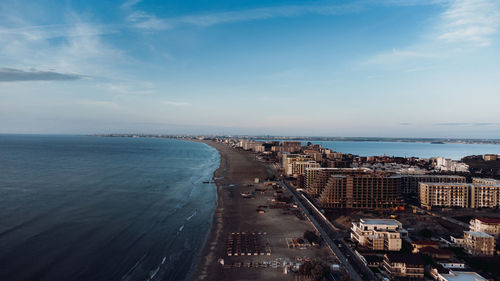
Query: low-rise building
x,y
444,274
450,165
437,254
404,266
417,245
378,234
487,225
479,243
490,157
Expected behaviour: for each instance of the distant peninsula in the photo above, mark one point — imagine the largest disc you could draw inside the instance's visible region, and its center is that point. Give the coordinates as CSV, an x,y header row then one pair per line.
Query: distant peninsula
x,y
314,138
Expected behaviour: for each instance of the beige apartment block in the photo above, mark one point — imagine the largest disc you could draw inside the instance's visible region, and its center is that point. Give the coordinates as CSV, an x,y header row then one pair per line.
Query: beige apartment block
x,y
404,266
378,234
479,243
444,194
484,196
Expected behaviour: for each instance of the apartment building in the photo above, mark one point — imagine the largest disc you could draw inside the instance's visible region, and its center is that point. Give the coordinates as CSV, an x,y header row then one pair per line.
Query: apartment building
x,y
317,178
479,243
297,168
490,226
444,194
361,190
485,196
378,234
409,183
287,159
464,195
404,266
485,181
292,146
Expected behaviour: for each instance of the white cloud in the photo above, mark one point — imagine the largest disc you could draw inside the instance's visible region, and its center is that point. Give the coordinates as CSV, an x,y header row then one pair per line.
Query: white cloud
x,y
462,25
396,57
265,13
473,21
143,20
79,47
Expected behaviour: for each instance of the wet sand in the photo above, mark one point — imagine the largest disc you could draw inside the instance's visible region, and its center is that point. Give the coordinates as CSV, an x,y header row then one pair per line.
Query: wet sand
x,y
234,213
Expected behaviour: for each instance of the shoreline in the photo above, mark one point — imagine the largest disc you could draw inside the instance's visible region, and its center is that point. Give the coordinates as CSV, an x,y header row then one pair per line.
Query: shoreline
x,y
242,169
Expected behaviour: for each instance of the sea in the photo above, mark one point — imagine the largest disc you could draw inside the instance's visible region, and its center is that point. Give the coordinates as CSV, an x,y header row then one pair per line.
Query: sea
x,y
112,208
455,151
100,208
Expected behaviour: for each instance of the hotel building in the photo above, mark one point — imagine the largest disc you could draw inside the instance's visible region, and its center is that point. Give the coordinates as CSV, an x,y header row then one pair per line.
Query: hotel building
x,y
317,178
361,190
378,234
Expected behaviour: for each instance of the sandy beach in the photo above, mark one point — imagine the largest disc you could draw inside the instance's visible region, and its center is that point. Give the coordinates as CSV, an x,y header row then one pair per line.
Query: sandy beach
x,y
234,213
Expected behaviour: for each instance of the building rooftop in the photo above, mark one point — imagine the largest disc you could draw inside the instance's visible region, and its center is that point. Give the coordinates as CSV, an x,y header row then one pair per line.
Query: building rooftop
x,y
446,184
380,221
425,242
434,251
409,259
437,176
478,234
463,276
490,220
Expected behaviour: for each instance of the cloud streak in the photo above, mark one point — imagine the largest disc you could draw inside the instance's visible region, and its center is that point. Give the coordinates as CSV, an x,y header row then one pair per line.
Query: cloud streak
x,y
473,21
143,20
16,75
466,124
463,24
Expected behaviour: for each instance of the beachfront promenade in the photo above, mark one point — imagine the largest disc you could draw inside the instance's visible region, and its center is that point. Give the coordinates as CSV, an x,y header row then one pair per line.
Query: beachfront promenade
x,y
327,231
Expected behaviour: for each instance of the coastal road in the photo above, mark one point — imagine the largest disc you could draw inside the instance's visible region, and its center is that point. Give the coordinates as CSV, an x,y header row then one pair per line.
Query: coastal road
x,y
327,231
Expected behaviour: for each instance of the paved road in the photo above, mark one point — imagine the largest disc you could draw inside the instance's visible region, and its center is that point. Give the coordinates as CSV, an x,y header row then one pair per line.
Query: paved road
x,y
328,231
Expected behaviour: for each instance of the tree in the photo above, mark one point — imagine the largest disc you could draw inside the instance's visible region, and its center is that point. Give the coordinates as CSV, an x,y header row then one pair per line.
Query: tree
x,y
311,237
316,269
426,233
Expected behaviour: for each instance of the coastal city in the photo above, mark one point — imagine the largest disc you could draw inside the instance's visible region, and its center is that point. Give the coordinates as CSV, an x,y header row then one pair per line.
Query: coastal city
x,y
249,140
326,215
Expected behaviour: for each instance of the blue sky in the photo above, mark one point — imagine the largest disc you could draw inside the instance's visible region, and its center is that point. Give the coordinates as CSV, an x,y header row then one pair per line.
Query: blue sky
x,y
396,68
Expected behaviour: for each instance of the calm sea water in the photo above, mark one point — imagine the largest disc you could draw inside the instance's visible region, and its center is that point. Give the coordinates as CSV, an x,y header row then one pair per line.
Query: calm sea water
x,y
90,208
406,149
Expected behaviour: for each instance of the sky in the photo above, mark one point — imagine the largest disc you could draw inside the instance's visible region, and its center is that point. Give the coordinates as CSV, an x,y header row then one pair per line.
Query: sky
x,y
394,68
